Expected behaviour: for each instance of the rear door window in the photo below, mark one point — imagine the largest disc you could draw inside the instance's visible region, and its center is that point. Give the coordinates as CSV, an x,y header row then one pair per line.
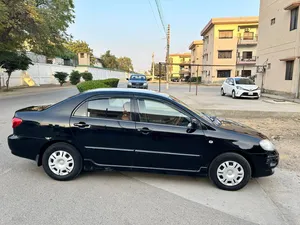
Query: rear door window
x,y
107,108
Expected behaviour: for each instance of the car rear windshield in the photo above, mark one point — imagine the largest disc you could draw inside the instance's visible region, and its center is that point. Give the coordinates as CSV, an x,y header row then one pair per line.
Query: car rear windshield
x,y
137,77
244,81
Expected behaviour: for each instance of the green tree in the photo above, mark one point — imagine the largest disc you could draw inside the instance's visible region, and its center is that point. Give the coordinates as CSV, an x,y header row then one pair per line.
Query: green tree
x,y
81,47
109,61
12,61
125,64
36,25
61,77
156,70
75,77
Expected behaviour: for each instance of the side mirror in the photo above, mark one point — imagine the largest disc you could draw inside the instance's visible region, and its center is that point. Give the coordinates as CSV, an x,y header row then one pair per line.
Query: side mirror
x,y
127,79
192,126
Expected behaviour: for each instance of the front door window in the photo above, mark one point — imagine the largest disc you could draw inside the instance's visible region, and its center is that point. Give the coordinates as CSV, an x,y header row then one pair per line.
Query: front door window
x,y
157,112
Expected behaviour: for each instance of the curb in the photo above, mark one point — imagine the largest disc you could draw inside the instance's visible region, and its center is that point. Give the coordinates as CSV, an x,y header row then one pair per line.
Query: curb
x,y
34,91
249,114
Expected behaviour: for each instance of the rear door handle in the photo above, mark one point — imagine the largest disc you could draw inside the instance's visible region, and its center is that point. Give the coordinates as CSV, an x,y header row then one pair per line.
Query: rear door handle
x,y
145,130
82,125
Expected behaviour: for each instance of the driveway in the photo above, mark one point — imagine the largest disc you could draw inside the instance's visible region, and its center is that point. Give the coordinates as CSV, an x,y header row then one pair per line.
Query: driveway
x,y
28,196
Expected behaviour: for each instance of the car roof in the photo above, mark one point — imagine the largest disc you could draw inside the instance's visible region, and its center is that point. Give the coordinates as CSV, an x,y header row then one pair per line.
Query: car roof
x,y
127,91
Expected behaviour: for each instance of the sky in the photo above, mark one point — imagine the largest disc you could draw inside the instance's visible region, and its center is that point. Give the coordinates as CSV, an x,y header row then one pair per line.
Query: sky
x,y
133,28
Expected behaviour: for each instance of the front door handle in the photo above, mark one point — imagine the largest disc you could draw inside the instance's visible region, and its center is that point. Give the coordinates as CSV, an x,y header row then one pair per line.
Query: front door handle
x,y
145,130
82,125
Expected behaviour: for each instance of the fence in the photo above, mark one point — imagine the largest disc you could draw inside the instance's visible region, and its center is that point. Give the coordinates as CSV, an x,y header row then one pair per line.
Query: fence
x,y
42,73
189,72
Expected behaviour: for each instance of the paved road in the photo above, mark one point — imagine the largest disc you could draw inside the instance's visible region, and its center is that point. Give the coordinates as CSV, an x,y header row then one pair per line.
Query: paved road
x,y
28,196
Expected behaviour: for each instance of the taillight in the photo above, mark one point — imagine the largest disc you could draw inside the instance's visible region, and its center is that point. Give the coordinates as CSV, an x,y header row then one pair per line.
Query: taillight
x,y
16,122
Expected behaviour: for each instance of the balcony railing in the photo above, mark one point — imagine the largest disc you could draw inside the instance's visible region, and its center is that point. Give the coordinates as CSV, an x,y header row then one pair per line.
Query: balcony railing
x,y
248,40
247,60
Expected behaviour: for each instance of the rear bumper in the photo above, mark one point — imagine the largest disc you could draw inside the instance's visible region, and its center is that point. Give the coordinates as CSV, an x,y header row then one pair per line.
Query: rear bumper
x,y
265,164
25,147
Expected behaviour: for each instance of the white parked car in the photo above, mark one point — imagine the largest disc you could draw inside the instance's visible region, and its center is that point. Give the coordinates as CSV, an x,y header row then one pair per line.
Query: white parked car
x,y
240,87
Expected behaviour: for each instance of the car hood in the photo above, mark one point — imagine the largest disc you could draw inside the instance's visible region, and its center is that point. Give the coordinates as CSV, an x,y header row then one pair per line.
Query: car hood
x,y
248,87
137,81
240,128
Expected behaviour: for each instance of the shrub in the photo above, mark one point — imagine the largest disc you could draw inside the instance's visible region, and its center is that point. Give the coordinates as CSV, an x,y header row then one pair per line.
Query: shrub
x,y
61,77
75,77
194,79
87,76
89,85
111,82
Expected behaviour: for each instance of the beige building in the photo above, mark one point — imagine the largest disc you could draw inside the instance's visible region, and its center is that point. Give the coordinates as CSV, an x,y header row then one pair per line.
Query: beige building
x,y
84,59
196,48
229,48
279,47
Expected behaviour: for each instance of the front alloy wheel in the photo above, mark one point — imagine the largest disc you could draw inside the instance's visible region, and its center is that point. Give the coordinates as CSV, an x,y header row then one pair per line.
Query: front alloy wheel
x,y
62,161
233,94
230,171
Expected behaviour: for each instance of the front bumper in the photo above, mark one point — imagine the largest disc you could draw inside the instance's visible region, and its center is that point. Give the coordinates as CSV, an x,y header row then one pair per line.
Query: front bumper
x,y
248,94
140,87
265,164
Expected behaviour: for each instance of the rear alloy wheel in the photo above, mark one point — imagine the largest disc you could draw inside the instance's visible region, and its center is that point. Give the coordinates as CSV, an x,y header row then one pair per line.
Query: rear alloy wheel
x,y
230,171
62,161
233,94
222,92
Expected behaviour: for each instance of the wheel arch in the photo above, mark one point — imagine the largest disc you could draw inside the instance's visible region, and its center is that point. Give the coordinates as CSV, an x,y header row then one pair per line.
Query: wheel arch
x,y
245,155
48,144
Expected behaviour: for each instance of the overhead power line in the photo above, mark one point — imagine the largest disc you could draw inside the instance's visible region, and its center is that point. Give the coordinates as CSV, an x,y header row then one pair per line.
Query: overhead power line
x,y
161,16
159,27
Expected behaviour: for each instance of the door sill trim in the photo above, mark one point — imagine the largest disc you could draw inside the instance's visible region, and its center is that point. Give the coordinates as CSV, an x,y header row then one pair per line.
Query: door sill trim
x,y
142,167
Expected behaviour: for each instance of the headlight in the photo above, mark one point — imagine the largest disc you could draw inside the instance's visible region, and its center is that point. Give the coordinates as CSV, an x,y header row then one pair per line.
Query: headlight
x,y
267,145
129,83
145,84
239,88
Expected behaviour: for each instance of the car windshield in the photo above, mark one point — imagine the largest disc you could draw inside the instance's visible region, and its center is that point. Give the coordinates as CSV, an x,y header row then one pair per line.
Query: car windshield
x,y
207,118
244,81
138,77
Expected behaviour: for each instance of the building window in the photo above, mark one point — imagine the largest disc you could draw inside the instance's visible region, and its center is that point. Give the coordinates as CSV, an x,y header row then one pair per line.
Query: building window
x,y
289,70
246,73
247,55
273,21
223,73
207,39
294,19
224,54
248,36
81,55
225,34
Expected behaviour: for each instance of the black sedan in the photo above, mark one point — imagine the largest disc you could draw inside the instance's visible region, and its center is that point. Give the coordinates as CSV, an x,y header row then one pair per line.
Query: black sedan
x,y
139,130
137,81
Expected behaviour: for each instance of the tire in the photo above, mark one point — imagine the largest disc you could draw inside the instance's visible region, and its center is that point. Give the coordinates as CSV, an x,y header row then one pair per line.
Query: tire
x,y
233,94
222,92
62,162
232,180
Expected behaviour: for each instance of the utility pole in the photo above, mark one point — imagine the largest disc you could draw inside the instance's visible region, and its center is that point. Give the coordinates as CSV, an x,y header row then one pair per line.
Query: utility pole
x,y
167,58
153,66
